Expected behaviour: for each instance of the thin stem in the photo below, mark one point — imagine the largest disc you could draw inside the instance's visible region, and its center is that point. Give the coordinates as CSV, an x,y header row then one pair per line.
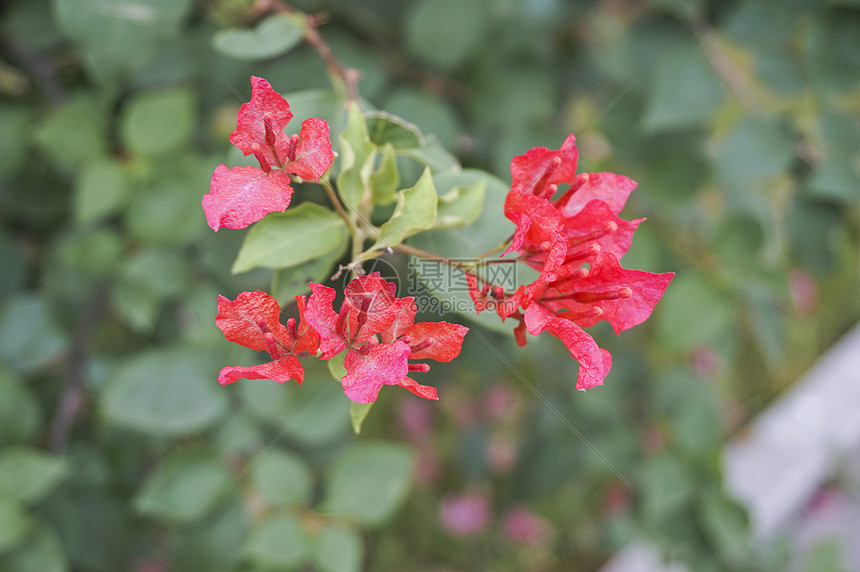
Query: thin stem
x,y
72,398
348,76
469,268
335,202
496,248
412,251
715,53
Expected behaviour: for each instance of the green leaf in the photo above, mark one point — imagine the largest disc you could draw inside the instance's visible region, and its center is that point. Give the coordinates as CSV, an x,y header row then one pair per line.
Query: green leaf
x,y
274,36
15,125
665,488
101,190
317,413
287,283
92,524
433,155
369,481
693,312
166,392
385,128
120,37
42,553
94,253
278,542
28,474
696,421
148,278
358,413
754,151
29,334
282,478
15,524
339,549
74,133
430,113
184,487
356,158
160,122
384,181
283,240
20,412
15,264
214,544
166,210
682,92
726,524
460,206
838,174
446,32
415,211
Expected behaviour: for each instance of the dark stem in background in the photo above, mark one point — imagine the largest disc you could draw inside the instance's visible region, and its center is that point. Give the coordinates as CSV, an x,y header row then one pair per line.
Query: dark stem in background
x,y
72,397
348,76
40,67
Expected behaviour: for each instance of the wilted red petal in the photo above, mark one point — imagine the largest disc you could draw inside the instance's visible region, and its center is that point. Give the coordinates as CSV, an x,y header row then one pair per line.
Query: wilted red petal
x,y
607,187
534,171
372,366
607,275
425,391
322,318
241,320
313,156
241,196
445,340
594,363
266,105
282,370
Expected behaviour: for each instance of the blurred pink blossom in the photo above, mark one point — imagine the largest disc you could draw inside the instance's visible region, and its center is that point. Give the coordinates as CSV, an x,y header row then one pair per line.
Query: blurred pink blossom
x,y
524,527
416,419
804,292
705,361
500,402
501,455
464,515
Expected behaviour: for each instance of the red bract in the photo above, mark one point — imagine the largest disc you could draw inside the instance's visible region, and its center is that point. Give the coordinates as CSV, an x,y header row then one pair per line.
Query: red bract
x,y
253,320
379,332
624,298
559,238
241,196
573,229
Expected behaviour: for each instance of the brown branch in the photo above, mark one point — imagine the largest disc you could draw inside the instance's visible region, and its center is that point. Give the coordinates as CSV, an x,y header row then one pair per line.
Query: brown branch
x,y
72,398
348,76
734,79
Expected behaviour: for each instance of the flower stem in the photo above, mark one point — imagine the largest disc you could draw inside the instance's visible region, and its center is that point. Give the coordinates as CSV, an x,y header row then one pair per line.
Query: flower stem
x,y
347,76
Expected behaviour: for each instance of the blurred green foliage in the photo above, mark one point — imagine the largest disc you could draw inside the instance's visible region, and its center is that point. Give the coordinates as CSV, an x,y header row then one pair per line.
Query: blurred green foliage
x,y
118,450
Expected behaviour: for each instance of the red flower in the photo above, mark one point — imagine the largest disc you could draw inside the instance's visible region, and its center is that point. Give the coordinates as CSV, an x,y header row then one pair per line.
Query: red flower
x,y
241,196
379,332
624,298
253,320
558,238
577,226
